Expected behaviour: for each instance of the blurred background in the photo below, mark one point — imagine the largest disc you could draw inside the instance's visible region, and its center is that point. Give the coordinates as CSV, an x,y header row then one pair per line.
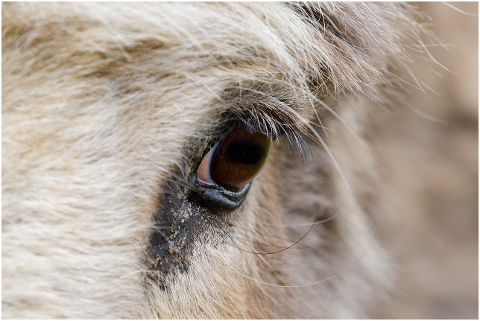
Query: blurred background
x,y
430,148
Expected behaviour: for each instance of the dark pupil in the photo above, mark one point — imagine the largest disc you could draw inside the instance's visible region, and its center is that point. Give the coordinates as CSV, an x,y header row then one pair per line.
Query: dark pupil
x,y
244,153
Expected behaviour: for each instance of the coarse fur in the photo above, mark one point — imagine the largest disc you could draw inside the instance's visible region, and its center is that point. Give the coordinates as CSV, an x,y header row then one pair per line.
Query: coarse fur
x,y
105,109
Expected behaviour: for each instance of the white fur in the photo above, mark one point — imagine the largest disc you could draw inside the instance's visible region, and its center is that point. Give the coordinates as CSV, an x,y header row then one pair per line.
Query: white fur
x,y
99,104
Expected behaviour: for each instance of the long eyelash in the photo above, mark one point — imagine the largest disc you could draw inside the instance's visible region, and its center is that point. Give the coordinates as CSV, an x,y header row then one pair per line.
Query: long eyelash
x,y
275,128
312,225
257,119
274,123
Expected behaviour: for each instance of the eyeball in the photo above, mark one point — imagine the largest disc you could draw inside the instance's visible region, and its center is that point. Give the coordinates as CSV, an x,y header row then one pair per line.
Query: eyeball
x,y
235,160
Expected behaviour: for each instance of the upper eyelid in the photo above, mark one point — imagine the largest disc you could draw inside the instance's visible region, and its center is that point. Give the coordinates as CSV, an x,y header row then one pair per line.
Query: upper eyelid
x,y
296,138
272,102
258,106
255,124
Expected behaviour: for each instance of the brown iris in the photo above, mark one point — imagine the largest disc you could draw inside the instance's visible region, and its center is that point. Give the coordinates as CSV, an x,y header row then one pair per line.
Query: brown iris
x,y
235,160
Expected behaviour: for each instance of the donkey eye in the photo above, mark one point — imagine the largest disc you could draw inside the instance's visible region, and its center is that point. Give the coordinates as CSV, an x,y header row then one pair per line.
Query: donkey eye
x,y
235,160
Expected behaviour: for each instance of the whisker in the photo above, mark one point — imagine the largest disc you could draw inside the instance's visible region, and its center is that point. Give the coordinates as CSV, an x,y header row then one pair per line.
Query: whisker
x,y
286,248
459,10
293,286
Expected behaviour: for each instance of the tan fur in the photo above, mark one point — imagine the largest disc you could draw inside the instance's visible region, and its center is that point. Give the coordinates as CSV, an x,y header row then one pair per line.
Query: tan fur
x,y
104,108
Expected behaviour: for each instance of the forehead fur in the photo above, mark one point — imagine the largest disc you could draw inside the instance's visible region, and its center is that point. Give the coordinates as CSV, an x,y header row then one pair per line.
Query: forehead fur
x,y
339,43
142,52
